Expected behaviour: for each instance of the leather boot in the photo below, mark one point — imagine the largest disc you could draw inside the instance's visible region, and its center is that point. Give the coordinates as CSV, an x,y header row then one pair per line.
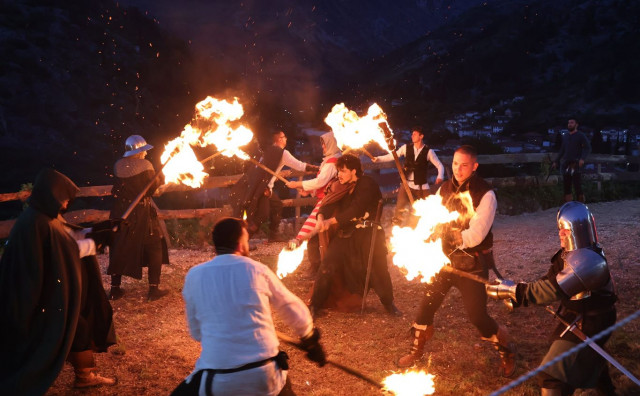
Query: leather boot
x,y
568,197
84,367
115,293
506,349
155,293
421,334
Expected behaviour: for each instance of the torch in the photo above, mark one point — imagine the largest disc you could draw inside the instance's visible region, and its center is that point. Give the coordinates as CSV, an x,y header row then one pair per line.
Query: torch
x,y
388,135
146,188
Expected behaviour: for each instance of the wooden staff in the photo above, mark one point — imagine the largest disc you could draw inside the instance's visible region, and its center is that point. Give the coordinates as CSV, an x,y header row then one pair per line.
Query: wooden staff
x,y
293,342
465,274
388,135
261,165
364,151
212,156
146,188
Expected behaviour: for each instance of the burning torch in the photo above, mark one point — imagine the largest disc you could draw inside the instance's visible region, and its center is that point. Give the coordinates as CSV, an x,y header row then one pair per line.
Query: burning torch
x,y
388,136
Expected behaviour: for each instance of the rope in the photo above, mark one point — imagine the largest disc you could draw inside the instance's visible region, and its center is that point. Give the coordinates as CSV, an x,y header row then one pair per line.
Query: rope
x,y
571,351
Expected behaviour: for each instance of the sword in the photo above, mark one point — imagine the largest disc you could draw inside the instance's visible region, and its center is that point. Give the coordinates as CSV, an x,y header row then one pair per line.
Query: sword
x,y
575,330
370,262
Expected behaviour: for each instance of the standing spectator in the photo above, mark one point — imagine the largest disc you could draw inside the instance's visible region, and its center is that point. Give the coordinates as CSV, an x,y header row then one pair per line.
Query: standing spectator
x,y
418,155
139,241
574,150
53,305
228,303
470,248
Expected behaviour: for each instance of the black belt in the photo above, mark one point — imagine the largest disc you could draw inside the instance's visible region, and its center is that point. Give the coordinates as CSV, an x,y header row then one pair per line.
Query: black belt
x,y
281,356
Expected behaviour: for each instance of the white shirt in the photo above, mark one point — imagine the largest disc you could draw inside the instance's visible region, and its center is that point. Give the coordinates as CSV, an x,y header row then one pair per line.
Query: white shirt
x,y
431,156
228,305
327,172
289,160
481,222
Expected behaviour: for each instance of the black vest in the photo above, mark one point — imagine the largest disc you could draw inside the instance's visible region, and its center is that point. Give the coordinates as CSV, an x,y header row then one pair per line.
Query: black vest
x,y
417,165
477,188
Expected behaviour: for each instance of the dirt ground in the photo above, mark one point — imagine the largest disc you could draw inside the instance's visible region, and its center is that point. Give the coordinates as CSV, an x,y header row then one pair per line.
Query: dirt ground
x,y
155,351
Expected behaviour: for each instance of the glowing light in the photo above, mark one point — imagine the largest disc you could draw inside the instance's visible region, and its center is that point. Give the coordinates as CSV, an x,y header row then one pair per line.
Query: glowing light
x,y
353,131
289,260
411,383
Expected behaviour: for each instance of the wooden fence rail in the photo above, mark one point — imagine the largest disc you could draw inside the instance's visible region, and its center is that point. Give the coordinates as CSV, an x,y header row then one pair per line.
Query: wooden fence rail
x,y
92,215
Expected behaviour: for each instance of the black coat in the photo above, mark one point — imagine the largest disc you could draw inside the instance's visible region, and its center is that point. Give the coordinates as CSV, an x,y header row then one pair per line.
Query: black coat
x,y
40,290
126,254
251,186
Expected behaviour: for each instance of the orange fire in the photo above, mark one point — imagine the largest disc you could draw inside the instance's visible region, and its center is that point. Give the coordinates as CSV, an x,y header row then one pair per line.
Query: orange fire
x,y
410,383
211,126
353,131
410,243
289,260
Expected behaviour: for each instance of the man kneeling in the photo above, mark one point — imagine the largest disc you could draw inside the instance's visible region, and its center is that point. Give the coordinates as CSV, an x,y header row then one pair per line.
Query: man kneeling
x,y
228,309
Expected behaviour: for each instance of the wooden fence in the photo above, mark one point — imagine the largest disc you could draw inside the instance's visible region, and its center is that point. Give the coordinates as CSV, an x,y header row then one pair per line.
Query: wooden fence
x,y
93,215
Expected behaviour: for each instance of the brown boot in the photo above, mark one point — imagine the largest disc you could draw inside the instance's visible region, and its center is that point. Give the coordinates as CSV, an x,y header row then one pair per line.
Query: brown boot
x,y
84,367
421,334
506,349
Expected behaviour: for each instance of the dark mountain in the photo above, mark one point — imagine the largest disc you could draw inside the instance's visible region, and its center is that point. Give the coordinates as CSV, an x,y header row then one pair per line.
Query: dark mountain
x,y
564,57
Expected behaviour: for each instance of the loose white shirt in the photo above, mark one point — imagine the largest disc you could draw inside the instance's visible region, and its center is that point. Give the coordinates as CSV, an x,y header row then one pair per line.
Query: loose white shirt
x,y
327,172
431,156
481,222
289,160
228,305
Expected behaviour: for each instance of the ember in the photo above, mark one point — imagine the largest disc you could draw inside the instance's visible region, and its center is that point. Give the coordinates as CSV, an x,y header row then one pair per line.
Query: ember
x,y
410,383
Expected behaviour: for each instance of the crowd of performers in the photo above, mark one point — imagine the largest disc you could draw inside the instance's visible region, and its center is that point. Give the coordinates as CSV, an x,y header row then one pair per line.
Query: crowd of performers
x,y
55,308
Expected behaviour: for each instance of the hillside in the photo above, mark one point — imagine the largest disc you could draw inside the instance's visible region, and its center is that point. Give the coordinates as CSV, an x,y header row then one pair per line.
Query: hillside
x,y
564,57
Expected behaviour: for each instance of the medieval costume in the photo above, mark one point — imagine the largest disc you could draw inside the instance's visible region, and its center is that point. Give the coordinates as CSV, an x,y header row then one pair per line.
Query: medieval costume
x,y
317,186
474,256
140,240
346,259
579,278
229,302
416,168
53,302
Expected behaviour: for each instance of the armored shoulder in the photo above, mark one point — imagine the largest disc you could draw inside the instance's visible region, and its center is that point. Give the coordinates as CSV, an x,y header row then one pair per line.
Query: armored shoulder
x,y
584,271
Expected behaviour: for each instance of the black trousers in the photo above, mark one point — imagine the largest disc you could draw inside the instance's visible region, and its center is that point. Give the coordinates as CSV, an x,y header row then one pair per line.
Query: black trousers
x,y
191,389
269,208
474,300
571,176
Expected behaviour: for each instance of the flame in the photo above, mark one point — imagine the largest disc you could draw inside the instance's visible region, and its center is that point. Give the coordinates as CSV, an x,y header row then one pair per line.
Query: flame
x,y
244,215
289,260
409,243
353,131
212,126
410,383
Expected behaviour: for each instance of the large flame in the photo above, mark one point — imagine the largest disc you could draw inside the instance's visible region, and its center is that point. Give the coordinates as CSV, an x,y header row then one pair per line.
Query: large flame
x,y
353,131
411,383
211,126
289,260
408,243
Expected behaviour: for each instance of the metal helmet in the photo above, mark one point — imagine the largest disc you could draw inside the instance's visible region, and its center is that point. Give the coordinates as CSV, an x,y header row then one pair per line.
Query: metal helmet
x,y
135,144
577,218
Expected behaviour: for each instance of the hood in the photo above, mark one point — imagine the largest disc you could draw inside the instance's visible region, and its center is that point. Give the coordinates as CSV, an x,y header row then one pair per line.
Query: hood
x,y
330,144
50,189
